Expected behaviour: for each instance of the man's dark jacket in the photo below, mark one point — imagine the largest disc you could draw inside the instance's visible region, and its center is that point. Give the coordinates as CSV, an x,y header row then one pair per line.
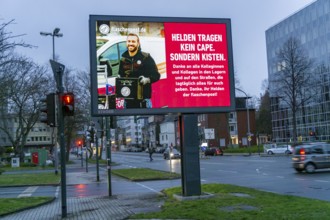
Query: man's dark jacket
x,y
142,64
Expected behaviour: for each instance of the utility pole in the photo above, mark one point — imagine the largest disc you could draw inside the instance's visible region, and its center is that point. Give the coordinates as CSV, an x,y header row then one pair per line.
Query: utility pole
x,y
58,70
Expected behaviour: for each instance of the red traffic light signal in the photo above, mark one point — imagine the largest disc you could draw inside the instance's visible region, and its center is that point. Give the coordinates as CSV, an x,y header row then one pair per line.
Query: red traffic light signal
x,y
79,143
68,104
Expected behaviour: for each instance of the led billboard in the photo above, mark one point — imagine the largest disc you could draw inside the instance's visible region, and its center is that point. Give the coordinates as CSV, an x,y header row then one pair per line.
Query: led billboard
x,y
160,65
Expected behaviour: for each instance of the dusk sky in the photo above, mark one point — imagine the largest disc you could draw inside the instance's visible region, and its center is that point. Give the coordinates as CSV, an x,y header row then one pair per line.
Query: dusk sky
x,y
249,19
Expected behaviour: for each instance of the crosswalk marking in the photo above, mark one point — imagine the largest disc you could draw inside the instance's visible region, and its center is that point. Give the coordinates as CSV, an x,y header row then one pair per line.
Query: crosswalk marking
x,y
57,191
28,192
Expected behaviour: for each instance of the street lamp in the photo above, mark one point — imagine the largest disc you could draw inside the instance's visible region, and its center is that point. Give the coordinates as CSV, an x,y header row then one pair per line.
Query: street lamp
x,y
248,118
56,33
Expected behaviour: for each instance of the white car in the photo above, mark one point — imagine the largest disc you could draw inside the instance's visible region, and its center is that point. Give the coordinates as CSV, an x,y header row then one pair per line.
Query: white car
x,y
280,149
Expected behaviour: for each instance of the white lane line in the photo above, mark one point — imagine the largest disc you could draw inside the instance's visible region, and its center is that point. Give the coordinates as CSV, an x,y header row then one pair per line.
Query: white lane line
x,y
322,181
151,189
202,180
282,177
299,179
28,192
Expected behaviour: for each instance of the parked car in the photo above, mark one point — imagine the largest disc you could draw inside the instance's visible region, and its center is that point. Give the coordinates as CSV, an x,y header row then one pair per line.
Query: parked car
x,y
171,154
280,149
310,157
136,149
213,151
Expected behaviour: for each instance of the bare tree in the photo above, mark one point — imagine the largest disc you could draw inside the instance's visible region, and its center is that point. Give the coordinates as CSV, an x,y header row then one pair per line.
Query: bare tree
x,y
78,83
264,118
21,84
25,83
294,83
8,44
8,58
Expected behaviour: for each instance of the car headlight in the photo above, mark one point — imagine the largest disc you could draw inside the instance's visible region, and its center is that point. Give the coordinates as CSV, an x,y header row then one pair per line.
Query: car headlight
x,y
171,154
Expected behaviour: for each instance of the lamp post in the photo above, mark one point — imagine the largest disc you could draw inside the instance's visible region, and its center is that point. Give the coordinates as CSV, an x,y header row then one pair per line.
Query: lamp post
x,y
248,118
55,33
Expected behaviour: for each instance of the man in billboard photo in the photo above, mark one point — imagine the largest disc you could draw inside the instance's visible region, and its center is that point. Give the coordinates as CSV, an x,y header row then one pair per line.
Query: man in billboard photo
x,y
139,66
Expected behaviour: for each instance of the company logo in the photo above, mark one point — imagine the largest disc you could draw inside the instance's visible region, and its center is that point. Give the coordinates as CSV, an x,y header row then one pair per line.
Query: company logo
x,y
104,29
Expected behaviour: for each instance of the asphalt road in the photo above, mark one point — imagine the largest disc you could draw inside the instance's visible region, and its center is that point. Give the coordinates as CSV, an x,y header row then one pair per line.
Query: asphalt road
x,y
269,173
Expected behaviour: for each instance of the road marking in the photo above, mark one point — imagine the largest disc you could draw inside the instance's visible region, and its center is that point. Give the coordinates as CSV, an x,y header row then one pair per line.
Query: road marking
x,y
213,163
57,191
202,180
299,179
322,181
282,177
151,189
263,161
228,171
28,192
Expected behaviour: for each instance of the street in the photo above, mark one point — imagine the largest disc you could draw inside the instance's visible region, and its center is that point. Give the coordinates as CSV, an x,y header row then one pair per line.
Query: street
x,y
268,173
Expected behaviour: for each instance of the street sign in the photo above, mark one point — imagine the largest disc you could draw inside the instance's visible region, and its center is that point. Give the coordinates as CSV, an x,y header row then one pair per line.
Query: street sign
x,y
209,133
58,70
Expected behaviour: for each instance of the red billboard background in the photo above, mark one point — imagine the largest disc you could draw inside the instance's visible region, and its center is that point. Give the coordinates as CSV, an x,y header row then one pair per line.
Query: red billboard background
x,y
196,66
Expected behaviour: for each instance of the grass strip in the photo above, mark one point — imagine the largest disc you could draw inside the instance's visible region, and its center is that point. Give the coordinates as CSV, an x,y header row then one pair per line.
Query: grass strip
x,y
29,179
235,202
11,205
143,174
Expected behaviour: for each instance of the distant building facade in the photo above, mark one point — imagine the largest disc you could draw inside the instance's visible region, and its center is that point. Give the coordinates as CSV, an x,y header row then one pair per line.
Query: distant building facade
x,y
310,25
40,135
229,129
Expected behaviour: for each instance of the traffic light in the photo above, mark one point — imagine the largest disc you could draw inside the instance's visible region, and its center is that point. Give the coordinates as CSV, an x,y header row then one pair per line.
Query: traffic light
x,y
79,143
48,110
68,104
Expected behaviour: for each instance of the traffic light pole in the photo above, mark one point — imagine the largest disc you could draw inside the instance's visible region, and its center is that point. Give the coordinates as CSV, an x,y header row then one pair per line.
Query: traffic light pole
x,y
97,158
86,160
58,70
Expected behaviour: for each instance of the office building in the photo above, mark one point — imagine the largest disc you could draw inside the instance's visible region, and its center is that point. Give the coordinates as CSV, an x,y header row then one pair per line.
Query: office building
x,y
311,27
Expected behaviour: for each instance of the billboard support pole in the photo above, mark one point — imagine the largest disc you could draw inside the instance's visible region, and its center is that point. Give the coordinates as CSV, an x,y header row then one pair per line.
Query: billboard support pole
x,y
108,143
190,166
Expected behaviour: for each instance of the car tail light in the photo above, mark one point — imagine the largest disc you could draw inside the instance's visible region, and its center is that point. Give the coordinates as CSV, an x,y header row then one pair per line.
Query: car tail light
x,y
302,153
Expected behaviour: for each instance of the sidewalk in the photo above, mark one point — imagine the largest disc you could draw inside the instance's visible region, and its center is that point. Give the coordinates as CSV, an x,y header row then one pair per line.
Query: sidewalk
x,y
116,207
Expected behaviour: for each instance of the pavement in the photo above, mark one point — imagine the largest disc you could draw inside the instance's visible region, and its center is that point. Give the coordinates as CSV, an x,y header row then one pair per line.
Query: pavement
x,y
115,207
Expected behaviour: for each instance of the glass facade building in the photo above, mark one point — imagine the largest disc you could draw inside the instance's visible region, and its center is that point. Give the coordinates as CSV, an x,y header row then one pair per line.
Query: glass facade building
x,y
311,26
